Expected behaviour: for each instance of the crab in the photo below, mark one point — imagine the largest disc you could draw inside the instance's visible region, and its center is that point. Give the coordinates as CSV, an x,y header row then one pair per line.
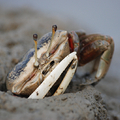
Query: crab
x,y
47,69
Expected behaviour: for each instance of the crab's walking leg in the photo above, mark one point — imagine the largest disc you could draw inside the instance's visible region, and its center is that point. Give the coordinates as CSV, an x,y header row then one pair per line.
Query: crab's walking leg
x,y
45,86
105,61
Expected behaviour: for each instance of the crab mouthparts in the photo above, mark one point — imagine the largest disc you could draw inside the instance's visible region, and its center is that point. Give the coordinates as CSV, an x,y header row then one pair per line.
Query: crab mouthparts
x,y
33,81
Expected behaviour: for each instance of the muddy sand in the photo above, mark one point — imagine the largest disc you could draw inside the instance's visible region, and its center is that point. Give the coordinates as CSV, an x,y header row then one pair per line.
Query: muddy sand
x,y
89,103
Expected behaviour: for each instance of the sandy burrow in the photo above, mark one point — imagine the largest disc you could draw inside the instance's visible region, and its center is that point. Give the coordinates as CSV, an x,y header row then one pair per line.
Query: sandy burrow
x,y
16,30
84,105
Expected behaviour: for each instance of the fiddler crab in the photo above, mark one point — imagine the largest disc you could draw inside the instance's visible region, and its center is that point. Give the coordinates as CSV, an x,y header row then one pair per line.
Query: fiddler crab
x,y
47,69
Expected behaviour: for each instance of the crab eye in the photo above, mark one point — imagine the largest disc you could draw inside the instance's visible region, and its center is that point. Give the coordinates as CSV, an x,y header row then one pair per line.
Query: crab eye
x,y
35,36
54,28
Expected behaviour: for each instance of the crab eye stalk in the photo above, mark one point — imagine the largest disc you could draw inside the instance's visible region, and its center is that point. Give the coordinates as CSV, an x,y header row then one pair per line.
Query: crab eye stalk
x,y
54,28
35,36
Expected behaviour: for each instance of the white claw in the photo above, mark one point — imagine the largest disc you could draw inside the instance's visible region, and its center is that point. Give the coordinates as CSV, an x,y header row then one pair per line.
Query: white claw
x,y
45,86
66,80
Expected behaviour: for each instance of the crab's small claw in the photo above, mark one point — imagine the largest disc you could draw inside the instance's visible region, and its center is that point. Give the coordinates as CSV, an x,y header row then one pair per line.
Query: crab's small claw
x,y
45,86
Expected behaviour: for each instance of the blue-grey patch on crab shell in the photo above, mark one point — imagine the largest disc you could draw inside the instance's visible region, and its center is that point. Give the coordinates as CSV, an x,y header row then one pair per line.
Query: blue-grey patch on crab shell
x,y
44,39
15,72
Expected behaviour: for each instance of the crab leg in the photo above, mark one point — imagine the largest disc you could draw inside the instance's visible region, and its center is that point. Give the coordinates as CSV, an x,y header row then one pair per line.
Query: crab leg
x,y
103,65
105,62
45,86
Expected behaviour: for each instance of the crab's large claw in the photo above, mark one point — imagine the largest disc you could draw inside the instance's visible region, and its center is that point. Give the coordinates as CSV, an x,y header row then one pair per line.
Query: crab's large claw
x,y
69,62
